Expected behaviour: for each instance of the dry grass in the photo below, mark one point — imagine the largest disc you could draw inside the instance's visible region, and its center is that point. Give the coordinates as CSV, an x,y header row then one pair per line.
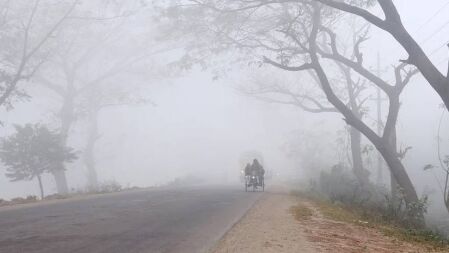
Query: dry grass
x,y
433,242
301,212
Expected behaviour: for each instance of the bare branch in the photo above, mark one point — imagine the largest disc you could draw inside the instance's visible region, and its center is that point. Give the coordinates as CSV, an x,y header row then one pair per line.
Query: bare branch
x,y
340,5
305,66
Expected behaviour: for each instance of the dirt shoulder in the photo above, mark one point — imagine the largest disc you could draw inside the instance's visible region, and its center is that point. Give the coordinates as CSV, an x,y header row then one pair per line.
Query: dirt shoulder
x,y
284,223
268,227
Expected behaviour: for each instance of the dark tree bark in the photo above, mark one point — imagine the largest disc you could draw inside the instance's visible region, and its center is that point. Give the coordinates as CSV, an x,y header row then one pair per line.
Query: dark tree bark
x,y
356,153
393,25
382,144
356,137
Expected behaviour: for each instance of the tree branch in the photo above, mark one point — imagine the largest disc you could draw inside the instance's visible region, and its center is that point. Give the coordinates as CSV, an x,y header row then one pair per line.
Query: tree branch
x,y
305,66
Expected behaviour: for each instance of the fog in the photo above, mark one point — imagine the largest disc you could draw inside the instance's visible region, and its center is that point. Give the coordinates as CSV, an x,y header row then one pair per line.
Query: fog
x,y
197,127
173,122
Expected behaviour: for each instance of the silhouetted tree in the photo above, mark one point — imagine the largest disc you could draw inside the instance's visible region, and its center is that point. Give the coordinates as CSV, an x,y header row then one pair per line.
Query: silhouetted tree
x,y
289,35
393,25
31,151
98,52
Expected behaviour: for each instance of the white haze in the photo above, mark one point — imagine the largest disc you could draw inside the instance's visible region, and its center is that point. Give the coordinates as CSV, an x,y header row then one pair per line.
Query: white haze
x,y
200,127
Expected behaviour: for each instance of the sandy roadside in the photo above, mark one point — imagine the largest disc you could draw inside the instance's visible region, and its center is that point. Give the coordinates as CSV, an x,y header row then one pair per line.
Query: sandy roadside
x,y
268,227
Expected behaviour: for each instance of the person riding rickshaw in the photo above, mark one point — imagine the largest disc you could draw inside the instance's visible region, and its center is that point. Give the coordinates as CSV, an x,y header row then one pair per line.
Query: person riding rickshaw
x,y
254,174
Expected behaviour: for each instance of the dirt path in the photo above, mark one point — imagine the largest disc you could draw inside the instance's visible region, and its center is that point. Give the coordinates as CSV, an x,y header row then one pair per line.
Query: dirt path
x,y
283,223
268,227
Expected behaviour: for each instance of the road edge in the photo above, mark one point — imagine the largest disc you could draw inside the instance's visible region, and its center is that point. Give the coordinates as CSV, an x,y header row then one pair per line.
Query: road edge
x,y
215,242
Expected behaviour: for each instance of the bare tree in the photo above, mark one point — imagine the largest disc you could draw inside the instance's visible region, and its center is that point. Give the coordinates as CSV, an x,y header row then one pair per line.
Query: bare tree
x,y
385,144
97,59
392,24
76,85
315,103
27,32
96,99
287,34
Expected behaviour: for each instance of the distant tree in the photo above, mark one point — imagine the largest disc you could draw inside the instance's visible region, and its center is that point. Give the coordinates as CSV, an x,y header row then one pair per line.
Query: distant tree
x,y
96,99
99,68
32,151
295,36
27,29
284,92
93,49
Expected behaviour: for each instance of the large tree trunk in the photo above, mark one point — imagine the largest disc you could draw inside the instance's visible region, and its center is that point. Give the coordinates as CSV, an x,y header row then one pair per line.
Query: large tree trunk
x,y
390,155
392,24
359,171
67,117
399,174
89,153
394,186
61,180
41,187
382,144
357,162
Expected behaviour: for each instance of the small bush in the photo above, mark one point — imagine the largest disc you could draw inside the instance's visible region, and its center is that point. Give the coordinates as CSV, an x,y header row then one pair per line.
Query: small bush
x,y
407,215
108,187
55,196
371,202
31,198
340,185
21,200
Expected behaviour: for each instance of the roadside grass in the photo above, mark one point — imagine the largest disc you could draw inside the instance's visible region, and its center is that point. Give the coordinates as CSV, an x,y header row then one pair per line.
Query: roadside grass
x,y
301,212
431,240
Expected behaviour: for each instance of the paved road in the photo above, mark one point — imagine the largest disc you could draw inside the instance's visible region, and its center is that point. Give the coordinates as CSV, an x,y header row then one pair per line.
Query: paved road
x,y
177,220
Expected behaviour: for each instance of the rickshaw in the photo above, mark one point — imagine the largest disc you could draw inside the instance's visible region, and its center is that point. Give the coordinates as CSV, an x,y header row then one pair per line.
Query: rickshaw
x,y
251,181
254,183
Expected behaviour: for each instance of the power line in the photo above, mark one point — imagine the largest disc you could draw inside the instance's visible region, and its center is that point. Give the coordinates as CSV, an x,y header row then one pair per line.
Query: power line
x,y
439,10
436,32
443,61
432,17
438,49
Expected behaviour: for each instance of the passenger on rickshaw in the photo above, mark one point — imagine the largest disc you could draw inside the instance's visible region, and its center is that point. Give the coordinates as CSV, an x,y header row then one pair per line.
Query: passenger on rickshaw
x,y
248,170
258,171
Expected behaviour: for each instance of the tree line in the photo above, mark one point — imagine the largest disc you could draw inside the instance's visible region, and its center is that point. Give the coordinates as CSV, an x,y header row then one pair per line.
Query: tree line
x,y
78,52
310,38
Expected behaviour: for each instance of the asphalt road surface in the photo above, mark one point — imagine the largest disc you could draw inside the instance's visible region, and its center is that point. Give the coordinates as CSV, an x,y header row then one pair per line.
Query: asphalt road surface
x,y
165,220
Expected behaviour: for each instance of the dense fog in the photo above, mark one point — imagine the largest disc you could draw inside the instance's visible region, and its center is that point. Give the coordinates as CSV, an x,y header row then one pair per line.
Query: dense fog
x,y
112,71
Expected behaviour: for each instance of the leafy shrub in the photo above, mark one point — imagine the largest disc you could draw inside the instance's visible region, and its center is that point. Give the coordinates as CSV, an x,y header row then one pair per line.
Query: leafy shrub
x,y
340,185
408,215
110,186
374,203
55,196
20,200
31,198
